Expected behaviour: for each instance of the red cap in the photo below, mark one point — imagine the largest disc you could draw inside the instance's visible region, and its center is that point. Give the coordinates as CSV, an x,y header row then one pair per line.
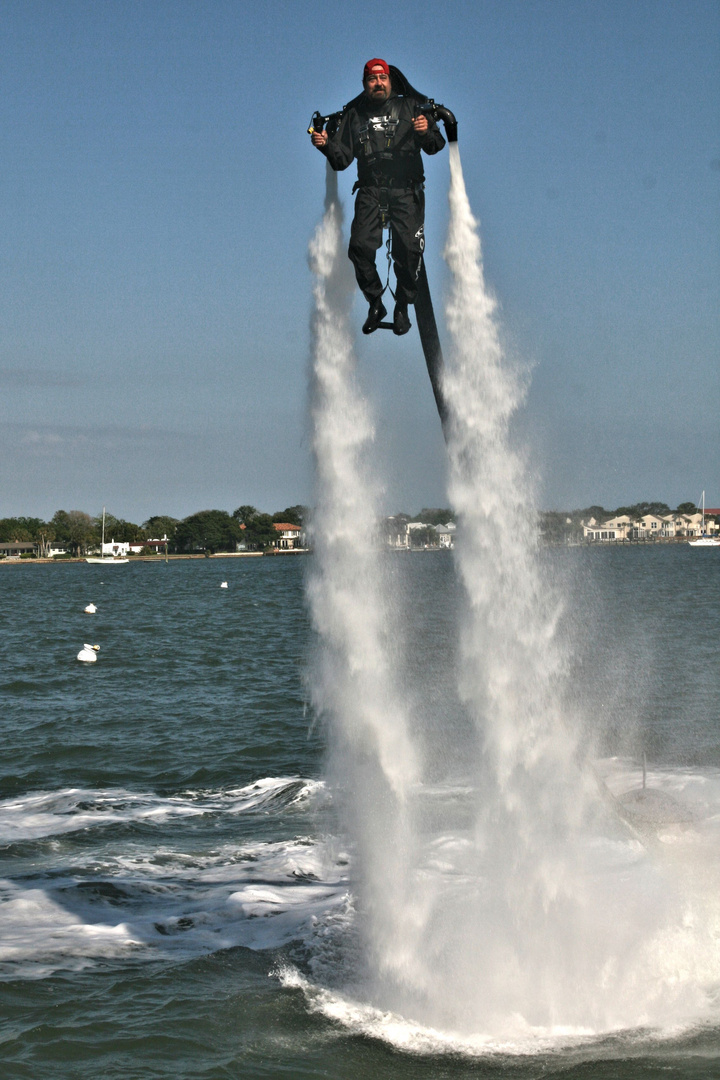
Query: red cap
x,y
375,64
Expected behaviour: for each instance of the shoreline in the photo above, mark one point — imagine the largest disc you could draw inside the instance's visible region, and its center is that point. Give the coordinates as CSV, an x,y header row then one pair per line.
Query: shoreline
x,y
154,558
647,542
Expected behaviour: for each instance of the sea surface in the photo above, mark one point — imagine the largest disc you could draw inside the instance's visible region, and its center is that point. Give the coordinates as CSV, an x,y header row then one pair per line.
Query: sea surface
x,y
172,881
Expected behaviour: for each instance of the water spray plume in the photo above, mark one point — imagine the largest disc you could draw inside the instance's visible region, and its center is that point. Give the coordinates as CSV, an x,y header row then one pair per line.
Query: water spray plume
x,y
511,662
528,915
372,757
553,945
534,797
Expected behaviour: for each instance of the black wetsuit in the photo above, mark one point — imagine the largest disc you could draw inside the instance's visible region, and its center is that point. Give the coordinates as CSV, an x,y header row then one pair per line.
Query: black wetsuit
x,y
390,173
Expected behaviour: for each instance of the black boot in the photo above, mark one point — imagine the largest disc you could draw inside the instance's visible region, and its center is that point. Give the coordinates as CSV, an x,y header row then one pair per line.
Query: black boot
x,y
401,322
376,314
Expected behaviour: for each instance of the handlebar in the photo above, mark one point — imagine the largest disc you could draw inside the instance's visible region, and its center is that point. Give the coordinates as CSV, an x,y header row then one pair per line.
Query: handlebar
x,y
429,108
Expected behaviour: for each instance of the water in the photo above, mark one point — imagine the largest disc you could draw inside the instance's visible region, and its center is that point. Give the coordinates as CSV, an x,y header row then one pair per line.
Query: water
x,y
520,906
401,831
155,802
372,761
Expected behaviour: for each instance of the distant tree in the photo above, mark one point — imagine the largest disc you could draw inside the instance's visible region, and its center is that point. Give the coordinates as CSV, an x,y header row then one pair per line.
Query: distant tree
x,y
75,529
424,537
125,532
293,515
260,533
244,514
658,508
639,510
558,527
45,538
686,508
13,531
597,512
436,516
208,530
158,526
392,528
23,529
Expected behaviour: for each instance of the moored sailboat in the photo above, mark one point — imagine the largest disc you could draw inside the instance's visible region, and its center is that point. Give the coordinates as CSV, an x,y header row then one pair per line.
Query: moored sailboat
x,y
704,539
102,559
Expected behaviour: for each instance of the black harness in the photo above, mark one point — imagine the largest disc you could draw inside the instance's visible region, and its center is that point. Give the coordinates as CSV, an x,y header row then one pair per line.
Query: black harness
x,y
386,155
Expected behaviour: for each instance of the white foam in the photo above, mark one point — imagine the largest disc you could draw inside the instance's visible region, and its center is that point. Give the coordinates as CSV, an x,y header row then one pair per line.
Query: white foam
x,y
362,1018
37,927
44,814
163,903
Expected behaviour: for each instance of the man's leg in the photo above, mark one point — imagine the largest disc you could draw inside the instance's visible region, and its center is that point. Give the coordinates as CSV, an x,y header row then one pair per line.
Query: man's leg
x,y
407,212
365,239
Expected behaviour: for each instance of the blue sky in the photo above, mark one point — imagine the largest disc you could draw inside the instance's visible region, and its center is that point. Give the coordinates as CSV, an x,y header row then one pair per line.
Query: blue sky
x,y
159,191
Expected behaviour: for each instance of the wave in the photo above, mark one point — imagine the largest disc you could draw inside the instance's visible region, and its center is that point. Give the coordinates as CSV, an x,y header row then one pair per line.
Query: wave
x,y
54,813
162,904
146,897
652,861
170,891
578,1043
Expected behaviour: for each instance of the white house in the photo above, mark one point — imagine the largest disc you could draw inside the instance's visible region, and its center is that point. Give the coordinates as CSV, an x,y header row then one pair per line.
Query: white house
x,y
446,534
289,538
122,548
692,524
115,548
613,529
648,527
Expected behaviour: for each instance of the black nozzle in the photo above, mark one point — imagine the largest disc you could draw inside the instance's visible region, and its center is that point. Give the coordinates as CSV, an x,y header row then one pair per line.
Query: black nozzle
x,y
439,112
448,119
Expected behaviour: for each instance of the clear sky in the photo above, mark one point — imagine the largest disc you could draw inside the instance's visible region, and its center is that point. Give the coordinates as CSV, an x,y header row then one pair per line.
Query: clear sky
x,y
159,191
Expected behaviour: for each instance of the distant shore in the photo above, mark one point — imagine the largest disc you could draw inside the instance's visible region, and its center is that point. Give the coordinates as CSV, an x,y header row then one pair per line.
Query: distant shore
x,y
644,542
156,558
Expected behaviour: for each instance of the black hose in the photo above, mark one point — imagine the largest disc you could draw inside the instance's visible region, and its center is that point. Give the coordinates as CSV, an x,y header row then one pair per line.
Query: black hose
x,y
448,119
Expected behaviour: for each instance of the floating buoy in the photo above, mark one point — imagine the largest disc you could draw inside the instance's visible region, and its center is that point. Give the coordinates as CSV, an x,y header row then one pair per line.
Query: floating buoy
x,y
90,609
88,653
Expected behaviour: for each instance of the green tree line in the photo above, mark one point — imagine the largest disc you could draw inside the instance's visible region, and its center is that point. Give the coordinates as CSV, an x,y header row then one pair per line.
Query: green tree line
x,y
214,531
208,531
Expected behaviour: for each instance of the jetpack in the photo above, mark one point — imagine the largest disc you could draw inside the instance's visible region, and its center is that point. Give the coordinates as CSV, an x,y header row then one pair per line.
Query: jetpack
x,y
427,326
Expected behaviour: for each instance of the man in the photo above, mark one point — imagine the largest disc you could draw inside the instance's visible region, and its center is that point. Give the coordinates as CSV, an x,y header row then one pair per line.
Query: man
x,y
386,133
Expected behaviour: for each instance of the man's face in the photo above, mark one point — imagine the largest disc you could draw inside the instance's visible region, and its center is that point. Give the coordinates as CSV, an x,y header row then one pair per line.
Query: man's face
x,y
377,86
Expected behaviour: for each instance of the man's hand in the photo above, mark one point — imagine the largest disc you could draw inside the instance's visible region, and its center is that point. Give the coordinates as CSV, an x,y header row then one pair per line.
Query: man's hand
x,y
420,123
320,138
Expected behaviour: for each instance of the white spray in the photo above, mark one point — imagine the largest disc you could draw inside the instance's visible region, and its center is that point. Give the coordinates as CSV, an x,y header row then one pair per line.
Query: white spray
x,y
514,930
551,944
532,796
372,757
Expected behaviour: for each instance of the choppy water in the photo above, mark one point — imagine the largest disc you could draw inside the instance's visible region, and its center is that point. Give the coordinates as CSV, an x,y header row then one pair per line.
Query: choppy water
x,y
175,900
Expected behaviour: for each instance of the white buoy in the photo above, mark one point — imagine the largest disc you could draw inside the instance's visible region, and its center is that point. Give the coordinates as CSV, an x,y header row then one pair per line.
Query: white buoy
x,y
90,609
223,585
88,653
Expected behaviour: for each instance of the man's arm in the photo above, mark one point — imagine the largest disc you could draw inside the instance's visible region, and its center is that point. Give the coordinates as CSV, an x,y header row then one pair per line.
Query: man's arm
x,y
338,148
427,134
